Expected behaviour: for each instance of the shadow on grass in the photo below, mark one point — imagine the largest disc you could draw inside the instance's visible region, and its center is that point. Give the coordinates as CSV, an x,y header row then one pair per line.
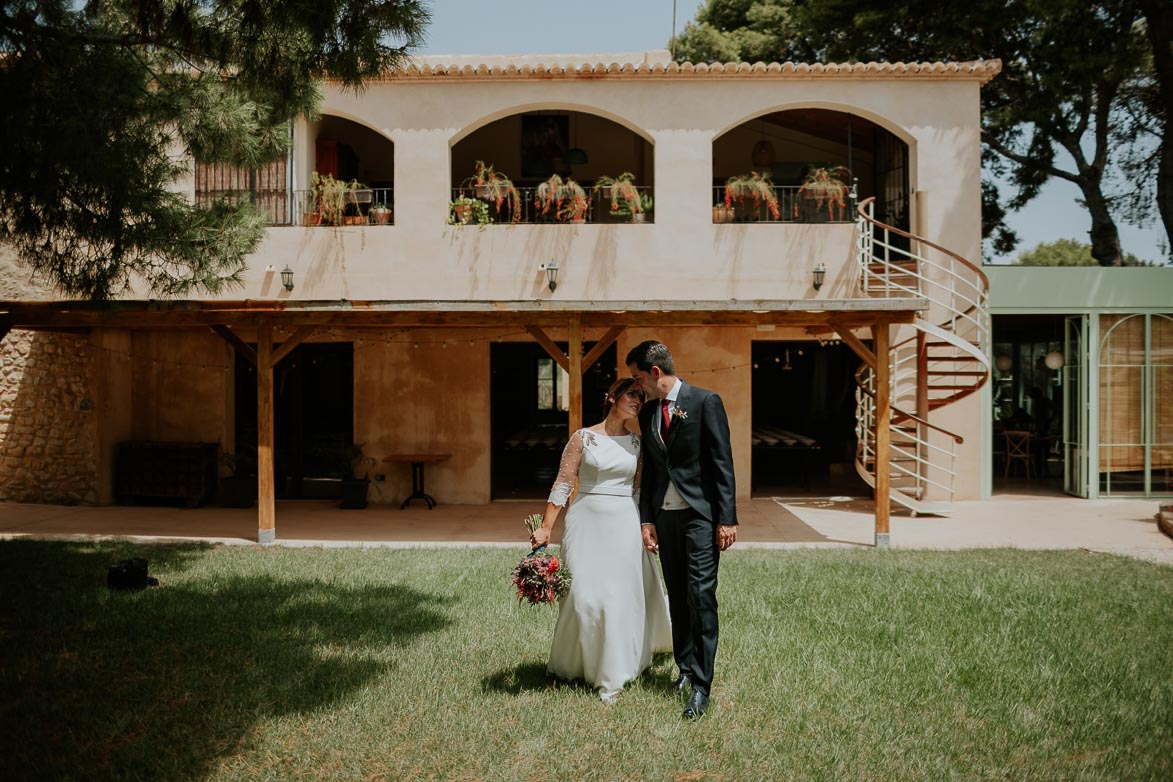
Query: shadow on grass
x,y
162,683
525,677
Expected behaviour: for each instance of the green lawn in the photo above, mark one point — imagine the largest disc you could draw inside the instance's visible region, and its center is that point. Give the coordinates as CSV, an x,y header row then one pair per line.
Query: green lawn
x,y
270,663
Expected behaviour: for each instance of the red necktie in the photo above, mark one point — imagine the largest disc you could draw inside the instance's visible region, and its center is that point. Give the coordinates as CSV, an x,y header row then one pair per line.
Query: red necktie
x,y
664,420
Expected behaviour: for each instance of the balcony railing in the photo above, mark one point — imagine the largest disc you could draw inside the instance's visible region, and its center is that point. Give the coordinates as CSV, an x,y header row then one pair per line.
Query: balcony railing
x,y
599,209
365,206
794,206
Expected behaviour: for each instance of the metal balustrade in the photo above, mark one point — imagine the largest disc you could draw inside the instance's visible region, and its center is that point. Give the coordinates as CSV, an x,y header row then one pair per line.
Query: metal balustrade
x,y
794,206
529,210
945,360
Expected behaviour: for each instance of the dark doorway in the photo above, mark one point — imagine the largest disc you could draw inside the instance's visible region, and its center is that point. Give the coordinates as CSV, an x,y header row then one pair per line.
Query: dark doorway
x,y
804,419
313,412
529,394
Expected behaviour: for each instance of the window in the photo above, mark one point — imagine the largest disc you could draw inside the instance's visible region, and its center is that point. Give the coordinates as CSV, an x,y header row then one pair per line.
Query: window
x,y
265,187
553,386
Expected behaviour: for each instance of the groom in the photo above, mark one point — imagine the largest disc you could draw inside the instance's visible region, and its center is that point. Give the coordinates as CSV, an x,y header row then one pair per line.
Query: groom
x,y
686,506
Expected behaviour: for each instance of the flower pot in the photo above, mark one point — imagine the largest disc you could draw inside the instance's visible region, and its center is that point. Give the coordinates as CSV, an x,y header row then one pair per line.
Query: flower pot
x,y
381,216
484,192
639,217
463,213
354,493
354,220
312,218
722,214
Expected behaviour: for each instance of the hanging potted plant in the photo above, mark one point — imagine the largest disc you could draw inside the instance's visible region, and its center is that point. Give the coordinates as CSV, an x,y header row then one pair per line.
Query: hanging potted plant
x,y
647,205
751,196
493,187
380,214
463,210
622,193
560,199
828,185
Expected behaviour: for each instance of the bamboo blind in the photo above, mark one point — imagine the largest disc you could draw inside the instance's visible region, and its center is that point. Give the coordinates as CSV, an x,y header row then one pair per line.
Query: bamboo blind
x,y
1122,393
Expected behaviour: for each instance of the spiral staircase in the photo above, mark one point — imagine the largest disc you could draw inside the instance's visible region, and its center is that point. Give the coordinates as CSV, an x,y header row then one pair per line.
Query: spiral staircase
x,y
943,359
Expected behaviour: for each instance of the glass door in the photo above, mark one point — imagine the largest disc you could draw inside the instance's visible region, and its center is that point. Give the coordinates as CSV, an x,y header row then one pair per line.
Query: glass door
x,y
1075,406
1160,390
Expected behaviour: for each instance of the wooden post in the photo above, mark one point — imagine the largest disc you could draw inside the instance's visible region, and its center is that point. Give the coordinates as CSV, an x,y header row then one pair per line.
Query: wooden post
x,y
880,340
575,371
266,502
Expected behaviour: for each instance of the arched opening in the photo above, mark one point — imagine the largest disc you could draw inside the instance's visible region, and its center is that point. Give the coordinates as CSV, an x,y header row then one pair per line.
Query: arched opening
x,y
800,165
552,166
355,171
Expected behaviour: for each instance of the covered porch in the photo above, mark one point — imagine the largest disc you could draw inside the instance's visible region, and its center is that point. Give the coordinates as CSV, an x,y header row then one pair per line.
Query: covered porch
x,y
276,328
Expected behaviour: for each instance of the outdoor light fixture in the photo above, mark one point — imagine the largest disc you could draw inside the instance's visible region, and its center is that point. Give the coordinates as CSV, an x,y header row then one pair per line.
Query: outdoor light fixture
x,y
287,277
1003,363
552,274
1053,360
819,274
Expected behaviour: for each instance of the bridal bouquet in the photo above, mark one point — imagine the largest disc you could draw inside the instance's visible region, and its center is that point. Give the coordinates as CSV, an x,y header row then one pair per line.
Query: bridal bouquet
x,y
540,577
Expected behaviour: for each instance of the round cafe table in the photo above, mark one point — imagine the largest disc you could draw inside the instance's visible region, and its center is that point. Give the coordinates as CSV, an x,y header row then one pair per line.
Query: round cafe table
x,y
418,460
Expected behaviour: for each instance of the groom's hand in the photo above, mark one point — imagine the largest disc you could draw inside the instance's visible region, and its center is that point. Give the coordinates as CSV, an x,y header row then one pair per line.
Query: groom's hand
x,y
726,535
651,542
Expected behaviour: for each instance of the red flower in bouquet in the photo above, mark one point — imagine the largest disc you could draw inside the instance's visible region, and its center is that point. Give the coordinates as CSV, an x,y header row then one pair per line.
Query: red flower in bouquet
x,y
540,577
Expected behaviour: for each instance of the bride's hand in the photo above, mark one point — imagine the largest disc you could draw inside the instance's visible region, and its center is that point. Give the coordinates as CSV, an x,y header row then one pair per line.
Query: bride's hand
x,y
540,537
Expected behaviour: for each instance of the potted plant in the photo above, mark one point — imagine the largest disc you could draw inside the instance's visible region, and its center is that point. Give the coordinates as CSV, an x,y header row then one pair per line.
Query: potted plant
x,y
722,213
563,200
380,214
491,186
749,193
825,184
331,197
355,467
622,192
647,205
238,488
463,210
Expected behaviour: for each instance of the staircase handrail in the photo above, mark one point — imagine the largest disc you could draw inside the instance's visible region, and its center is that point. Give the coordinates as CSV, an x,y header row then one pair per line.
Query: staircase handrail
x,y
969,264
904,414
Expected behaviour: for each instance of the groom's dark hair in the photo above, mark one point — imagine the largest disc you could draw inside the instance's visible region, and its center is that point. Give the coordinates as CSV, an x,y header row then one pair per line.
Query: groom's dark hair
x,y
650,354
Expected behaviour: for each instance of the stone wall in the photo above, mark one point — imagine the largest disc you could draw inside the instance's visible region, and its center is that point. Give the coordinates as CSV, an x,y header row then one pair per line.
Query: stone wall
x,y
48,427
47,422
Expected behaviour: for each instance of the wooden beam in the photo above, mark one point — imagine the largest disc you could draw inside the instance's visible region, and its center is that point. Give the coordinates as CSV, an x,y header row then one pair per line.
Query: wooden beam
x,y
266,483
301,335
233,339
880,340
857,346
575,371
601,346
551,348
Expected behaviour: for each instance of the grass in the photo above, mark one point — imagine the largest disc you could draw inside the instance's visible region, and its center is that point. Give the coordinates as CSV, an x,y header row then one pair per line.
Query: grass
x,y
271,663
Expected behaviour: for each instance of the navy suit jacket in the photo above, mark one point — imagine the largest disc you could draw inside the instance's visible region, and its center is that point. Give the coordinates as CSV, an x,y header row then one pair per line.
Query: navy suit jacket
x,y
697,458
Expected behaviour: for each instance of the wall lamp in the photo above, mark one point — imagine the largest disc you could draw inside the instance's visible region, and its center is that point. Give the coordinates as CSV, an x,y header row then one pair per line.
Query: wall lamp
x,y
818,275
552,274
287,277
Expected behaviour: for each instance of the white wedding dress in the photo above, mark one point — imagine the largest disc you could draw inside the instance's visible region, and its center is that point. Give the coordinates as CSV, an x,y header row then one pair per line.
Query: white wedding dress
x,y
616,614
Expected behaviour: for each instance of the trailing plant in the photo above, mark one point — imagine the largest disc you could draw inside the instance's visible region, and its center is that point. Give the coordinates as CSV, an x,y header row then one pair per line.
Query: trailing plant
x,y
332,196
826,184
562,199
753,188
625,198
463,210
494,187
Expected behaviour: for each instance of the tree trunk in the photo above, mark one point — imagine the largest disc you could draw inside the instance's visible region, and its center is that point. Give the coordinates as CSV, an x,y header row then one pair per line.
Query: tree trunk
x,y
1159,25
1105,238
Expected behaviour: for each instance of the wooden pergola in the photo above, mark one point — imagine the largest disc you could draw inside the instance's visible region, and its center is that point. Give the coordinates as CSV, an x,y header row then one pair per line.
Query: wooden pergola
x,y
303,319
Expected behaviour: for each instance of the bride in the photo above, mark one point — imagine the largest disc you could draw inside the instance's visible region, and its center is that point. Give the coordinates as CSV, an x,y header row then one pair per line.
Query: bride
x,y
616,614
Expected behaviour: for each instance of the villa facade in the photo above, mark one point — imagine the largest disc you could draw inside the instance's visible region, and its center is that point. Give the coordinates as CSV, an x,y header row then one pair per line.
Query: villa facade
x,y
851,351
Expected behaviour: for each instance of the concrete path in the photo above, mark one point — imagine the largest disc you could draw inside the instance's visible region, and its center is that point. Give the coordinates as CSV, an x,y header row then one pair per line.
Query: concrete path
x,y
1121,526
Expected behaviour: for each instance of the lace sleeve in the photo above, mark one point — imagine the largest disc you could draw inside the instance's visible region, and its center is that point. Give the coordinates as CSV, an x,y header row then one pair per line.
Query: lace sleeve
x,y
639,468
567,471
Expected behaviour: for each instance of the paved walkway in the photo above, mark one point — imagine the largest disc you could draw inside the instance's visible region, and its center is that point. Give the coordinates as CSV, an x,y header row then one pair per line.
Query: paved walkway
x,y
1017,520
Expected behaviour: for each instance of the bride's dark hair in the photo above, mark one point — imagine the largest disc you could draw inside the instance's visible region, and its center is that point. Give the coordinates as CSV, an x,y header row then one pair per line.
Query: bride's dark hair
x,y
618,389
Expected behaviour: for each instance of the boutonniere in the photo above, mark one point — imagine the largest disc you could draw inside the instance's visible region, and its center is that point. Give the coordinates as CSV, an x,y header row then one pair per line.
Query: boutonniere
x,y
680,414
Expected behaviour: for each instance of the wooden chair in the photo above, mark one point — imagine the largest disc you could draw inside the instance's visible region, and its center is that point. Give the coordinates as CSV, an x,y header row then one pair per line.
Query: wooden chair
x,y
1018,449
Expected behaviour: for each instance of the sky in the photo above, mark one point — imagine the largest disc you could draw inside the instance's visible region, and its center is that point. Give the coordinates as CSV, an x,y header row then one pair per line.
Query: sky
x,y
568,27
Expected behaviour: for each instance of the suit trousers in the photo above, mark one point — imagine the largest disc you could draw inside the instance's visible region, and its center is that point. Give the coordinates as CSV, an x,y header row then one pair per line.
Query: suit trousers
x,y
688,556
